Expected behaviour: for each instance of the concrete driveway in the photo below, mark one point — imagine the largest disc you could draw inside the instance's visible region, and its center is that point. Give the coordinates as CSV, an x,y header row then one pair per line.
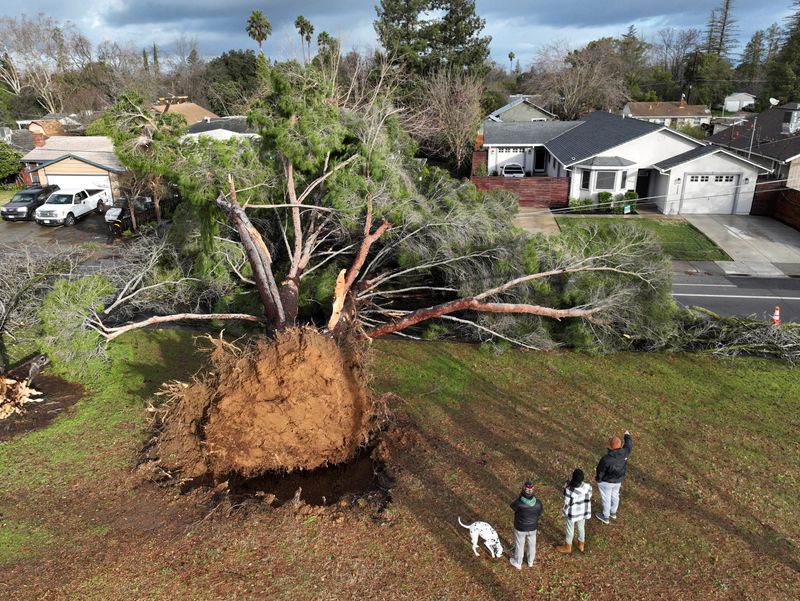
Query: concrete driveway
x,y
90,229
759,246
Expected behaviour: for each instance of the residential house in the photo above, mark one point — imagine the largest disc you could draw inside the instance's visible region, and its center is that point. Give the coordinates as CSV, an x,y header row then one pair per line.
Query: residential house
x,y
669,113
222,128
523,108
193,113
75,162
19,139
738,101
607,153
771,138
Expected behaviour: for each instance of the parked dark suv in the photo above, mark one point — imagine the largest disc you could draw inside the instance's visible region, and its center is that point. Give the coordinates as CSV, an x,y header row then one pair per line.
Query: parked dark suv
x,y
25,202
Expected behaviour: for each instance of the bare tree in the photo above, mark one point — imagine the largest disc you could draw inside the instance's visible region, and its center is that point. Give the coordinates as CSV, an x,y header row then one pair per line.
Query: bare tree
x,y
575,82
447,115
41,51
674,46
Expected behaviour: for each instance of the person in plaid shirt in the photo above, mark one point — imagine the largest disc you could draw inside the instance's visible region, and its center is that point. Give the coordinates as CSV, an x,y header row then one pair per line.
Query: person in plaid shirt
x,y
577,509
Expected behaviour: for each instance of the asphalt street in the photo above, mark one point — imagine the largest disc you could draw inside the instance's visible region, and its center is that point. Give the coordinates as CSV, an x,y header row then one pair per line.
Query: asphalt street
x,y
734,295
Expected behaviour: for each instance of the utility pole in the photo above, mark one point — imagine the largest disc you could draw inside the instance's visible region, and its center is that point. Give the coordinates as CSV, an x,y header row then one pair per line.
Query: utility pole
x,y
752,135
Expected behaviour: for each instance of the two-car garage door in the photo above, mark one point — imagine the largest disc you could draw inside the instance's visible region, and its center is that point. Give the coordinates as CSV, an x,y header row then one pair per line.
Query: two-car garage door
x,y
81,182
709,193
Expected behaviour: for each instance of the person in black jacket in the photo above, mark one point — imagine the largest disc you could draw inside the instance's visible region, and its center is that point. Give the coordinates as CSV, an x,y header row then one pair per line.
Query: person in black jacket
x,y
527,509
610,475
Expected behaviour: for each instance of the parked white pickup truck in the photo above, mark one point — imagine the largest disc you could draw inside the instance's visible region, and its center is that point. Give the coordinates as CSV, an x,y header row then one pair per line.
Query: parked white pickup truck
x,y
67,206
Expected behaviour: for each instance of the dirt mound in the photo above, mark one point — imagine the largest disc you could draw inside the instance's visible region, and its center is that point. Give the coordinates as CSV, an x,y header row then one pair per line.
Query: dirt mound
x,y
296,402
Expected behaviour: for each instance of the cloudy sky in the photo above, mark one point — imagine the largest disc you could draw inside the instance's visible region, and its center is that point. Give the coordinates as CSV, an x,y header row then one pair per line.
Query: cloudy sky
x,y
522,26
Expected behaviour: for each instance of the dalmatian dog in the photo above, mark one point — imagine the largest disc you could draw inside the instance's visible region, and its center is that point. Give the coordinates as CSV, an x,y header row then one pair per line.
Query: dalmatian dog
x,y
478,530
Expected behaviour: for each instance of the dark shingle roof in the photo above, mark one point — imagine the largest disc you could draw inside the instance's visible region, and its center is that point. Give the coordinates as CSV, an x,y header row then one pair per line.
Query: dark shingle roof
x,y
524,132
597,132
685,157
606,162
768,140
235,124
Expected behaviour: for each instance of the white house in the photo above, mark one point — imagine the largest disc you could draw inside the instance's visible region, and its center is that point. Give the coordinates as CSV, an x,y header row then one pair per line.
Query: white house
x,y
606,153
668,113
738,101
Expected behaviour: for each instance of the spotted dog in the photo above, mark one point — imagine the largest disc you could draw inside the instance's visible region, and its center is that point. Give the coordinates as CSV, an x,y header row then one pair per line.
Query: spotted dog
x,y
478,530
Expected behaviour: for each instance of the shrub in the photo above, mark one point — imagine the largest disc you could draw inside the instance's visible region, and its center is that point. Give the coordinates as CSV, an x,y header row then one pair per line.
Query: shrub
x,y
630,199
618,204
481,170
581,204
604,201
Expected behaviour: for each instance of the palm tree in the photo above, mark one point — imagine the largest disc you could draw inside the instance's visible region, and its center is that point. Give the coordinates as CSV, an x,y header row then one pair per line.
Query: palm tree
x,y
259,28
511,57
305,29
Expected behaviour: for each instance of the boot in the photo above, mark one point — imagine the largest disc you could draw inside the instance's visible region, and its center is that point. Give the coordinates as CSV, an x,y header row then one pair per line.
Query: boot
x,y
579,544
565,548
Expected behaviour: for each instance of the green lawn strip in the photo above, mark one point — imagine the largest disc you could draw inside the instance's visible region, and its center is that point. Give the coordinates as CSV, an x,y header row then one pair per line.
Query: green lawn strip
x,y
679,239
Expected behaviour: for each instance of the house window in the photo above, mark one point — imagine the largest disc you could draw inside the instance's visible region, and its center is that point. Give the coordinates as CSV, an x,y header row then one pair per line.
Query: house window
x,y
703,178
605,180
585,175
694,178
728,178
717,178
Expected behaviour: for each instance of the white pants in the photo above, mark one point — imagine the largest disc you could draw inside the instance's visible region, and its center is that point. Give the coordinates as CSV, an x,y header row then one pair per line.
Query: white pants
x,y
519,539
570,527
609,492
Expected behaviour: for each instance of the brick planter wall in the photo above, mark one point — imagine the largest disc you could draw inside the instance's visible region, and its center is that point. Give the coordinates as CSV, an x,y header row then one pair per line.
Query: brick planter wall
x,y
543,192
773,200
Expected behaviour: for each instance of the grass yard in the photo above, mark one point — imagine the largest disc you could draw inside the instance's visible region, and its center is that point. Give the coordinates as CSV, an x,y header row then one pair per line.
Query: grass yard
x,y
709,510
679,239
5,196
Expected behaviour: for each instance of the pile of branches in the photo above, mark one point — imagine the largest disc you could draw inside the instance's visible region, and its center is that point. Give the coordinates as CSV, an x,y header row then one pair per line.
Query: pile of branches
x,y
14,395
701,330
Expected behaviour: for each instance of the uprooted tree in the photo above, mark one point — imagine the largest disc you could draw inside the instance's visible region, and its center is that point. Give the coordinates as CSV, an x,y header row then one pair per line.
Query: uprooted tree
x,y
344,236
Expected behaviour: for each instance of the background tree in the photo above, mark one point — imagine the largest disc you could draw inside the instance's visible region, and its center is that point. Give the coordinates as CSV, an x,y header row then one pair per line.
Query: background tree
x,y
227,83
753,60
306,31
9,161
259,28
428,35
511,56
783,72
450,114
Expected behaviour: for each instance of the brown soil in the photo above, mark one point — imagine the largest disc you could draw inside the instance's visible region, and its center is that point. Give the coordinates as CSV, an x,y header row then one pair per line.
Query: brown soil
x,y
296,402
57,396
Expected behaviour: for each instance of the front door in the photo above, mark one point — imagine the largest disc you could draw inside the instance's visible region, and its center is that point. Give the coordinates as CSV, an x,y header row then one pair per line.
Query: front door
x,y
643,183
539,159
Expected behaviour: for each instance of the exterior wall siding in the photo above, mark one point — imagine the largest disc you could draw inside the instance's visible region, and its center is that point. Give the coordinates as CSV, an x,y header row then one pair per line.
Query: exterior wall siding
x,y
544,192
73,167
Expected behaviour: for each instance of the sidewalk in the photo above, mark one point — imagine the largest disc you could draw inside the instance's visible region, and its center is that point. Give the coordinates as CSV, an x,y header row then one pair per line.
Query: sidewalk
x,y
759,246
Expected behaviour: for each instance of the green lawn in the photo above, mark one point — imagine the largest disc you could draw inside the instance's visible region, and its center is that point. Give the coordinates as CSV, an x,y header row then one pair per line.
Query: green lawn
x,y
679,239
709,510
5,196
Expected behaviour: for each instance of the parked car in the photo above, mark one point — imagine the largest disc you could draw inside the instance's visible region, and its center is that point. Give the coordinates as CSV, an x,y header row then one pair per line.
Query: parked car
x,y
65,207
121,209
25,202
513,170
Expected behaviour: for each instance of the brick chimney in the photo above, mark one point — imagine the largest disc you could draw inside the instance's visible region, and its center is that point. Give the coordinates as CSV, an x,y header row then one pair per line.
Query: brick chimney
x,y
682,103
38,139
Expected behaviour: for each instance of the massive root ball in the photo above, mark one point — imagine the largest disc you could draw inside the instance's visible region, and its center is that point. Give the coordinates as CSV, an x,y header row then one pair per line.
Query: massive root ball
x,y
296,402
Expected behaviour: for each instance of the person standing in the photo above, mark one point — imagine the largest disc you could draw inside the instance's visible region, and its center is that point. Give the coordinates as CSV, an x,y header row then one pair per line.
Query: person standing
x,y
577,509
527,509
611,473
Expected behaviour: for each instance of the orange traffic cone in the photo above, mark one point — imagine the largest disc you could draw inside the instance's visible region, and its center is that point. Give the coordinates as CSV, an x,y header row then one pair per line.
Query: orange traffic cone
x,y
776,317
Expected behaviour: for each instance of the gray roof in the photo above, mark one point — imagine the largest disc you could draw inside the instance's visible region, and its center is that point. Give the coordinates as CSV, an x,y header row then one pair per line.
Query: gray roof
x,y
517,99
701,151
606,162
597,132
524,133
685,157
236,124
98,150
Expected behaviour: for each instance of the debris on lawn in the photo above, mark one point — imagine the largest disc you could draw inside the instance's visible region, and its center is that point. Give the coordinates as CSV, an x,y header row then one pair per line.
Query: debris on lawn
x,y
15,395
